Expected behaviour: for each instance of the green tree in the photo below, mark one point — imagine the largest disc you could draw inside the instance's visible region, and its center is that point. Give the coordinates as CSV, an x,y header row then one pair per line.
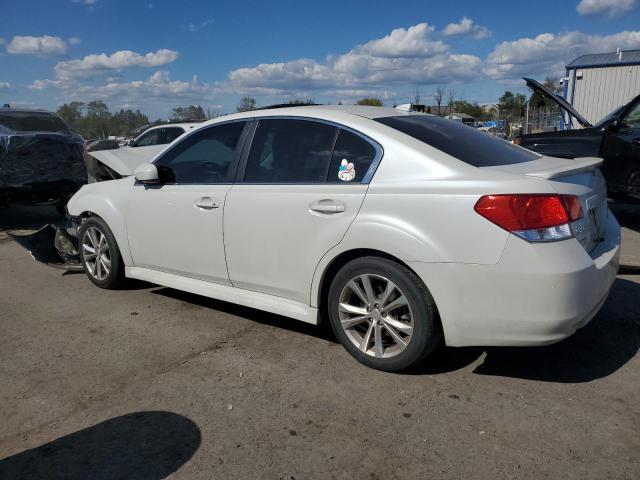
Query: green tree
x,y
308,101
71,113
191,113
370,101
246,104
473,109
512,106
540,101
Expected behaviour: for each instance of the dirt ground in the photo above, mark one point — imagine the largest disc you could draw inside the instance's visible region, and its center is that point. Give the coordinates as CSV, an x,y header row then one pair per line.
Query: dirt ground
x,y
151,382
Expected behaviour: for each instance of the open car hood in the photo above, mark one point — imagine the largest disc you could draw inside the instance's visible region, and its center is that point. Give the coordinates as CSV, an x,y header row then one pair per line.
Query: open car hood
x,y
125,160
562,103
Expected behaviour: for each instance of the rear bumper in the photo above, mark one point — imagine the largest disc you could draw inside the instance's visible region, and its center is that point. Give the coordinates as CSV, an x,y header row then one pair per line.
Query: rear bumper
x,y
536,294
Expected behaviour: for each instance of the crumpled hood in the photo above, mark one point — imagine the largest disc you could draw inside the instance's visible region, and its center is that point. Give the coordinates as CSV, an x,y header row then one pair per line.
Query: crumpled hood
x,y
125,160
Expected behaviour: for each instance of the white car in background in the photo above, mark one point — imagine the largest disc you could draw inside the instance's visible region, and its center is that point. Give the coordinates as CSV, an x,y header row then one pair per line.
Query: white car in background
x,y
120,162
401,229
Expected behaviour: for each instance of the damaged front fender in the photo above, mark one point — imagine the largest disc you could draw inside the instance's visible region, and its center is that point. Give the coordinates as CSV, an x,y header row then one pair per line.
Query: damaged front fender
x,y
53,246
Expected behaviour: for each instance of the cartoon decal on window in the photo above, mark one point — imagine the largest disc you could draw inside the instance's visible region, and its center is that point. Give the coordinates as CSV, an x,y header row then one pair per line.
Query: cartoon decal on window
x,y
346,171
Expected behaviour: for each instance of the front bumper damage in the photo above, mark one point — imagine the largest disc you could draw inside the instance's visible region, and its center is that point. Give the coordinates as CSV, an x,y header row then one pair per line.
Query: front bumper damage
x,y
54,246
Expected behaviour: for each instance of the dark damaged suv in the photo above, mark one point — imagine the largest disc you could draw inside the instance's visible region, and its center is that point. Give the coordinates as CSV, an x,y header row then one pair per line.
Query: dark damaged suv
x,y
615,138
41,158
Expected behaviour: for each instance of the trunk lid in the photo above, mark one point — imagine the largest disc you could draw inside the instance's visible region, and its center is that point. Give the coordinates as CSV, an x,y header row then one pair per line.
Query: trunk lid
x,y
562,103
580,177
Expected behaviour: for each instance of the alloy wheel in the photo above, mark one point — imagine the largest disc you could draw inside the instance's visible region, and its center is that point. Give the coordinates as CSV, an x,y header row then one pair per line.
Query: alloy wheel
x,y
95,252
375,315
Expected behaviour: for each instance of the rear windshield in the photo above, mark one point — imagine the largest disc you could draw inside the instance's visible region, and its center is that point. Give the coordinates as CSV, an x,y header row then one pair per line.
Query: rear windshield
x,y
32,122
477,148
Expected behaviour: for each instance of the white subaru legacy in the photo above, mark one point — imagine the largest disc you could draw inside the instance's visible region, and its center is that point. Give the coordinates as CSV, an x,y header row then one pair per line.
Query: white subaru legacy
x,y
403,230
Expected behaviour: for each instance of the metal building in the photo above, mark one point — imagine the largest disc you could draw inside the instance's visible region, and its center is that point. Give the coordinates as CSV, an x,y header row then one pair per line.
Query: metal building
x,y
600,82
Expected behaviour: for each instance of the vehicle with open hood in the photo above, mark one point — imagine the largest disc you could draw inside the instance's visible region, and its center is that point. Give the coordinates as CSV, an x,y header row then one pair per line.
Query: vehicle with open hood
x,y
41,158
114,162
615,138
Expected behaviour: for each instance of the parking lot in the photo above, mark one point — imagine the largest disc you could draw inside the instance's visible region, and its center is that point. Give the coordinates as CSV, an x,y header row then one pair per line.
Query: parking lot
x,y
151,382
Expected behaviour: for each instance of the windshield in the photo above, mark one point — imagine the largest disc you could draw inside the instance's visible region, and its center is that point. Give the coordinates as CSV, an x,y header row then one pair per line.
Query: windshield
x,y
32,122
612,115
465,143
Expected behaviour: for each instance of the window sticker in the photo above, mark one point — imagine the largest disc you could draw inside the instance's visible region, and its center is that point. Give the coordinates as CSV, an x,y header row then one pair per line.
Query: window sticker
x,y
346,171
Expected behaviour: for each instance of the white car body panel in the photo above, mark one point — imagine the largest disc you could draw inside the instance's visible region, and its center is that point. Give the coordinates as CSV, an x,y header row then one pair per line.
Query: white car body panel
x,y
490,287
167,231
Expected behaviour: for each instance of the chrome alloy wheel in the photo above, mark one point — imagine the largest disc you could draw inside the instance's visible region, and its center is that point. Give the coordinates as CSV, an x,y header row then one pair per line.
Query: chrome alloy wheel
x,y
95,251
375,315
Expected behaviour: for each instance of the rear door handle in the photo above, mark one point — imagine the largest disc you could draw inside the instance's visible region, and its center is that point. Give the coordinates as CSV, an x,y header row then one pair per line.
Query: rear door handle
x,y
206,203
326,206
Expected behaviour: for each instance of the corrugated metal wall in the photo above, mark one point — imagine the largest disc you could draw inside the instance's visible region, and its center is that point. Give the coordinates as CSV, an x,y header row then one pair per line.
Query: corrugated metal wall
x,y
601,90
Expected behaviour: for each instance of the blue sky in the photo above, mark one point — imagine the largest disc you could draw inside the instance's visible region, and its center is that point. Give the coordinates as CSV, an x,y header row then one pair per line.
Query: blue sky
x,y
155,54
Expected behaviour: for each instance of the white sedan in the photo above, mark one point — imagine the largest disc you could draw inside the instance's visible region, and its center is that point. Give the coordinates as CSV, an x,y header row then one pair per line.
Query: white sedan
x,y
403,230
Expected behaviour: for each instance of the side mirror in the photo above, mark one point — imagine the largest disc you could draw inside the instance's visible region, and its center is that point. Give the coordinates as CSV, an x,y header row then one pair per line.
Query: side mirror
x,y
146,173
611,126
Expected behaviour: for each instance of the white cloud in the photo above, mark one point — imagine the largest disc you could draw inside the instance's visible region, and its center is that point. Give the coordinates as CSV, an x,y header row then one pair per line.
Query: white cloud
x,y
548,53
6,87
45,45
99,63
401,42
74,41
610,8
404,56
466,27
2,41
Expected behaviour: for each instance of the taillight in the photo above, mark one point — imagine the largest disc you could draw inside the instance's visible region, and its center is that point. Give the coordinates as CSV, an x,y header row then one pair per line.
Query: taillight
x,y
516,141
533,217
572,204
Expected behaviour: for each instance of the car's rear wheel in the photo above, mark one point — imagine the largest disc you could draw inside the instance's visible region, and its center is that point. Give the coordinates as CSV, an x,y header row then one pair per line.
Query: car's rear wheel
x,y
99,254
383,314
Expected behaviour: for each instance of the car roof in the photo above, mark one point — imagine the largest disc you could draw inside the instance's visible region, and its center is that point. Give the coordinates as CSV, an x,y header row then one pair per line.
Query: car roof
x,y
327,112
164,125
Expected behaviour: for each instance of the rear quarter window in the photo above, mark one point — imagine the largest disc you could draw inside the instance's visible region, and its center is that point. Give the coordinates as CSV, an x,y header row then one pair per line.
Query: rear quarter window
x,y
476,148
32,122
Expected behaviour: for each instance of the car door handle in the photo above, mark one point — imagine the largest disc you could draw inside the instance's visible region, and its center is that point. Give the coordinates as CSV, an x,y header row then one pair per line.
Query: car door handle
x,y
636,142
206,203
326,206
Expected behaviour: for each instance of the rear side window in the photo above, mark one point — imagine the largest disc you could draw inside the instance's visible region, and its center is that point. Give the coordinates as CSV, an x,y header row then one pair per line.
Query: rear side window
x,y
206,156
460,141
170,134
290,151
352,157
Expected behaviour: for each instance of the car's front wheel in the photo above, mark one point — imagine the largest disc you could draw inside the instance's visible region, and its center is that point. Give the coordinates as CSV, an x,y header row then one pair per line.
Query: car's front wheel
x,y
383,314
99,254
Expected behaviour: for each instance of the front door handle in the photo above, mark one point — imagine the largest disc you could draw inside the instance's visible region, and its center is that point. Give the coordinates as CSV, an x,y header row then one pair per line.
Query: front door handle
x,y
327,206
636,142
206,203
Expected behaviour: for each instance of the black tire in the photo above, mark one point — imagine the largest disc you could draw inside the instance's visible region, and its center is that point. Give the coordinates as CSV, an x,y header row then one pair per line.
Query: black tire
x,y
115,277
427,331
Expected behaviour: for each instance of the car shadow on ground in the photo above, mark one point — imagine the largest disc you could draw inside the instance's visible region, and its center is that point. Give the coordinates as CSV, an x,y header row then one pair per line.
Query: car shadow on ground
x,y
599,349
143,445
322,331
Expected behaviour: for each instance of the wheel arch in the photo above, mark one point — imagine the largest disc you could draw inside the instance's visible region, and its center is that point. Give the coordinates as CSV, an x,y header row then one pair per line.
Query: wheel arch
x,y
336,263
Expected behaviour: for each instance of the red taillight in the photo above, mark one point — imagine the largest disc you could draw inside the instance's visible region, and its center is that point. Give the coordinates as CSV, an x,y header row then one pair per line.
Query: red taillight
x,y
516,141
515,212
572,204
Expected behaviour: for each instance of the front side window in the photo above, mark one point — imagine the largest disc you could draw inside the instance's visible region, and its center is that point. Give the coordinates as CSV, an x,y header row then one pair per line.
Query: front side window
x,y
632,118
206,156
149,138
290,151
352,157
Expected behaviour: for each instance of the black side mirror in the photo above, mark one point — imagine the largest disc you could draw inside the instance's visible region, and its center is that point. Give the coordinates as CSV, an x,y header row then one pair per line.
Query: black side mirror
x,y
165,174
611,126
